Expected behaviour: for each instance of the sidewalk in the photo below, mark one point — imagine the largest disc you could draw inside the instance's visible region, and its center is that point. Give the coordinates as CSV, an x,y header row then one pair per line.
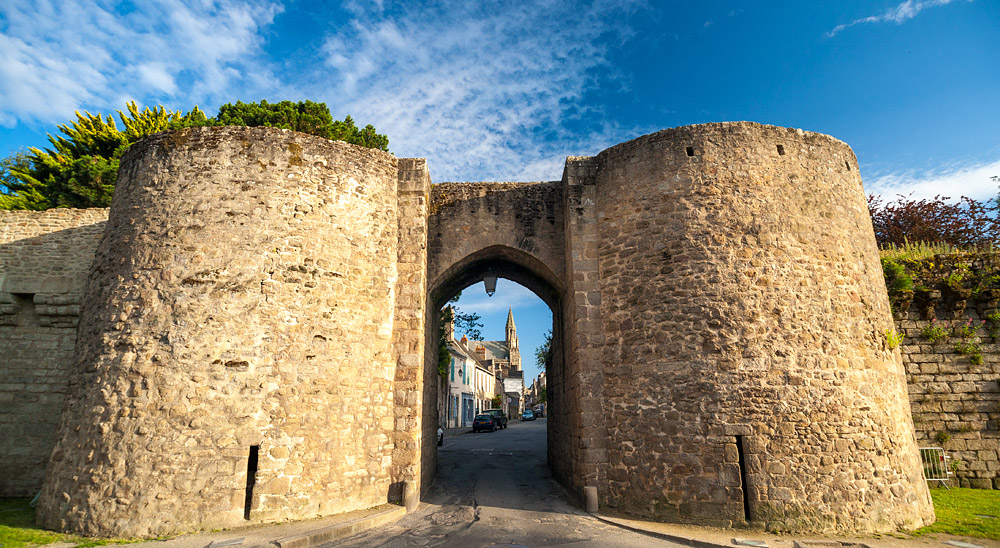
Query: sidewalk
x,y
452,432
711,537
296,534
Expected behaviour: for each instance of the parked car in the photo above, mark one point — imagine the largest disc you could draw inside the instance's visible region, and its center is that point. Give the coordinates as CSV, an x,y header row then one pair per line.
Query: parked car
x,y
501,417
485,422
528,415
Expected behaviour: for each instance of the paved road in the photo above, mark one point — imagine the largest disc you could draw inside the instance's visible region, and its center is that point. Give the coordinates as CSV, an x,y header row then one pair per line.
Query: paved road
x,y
494,489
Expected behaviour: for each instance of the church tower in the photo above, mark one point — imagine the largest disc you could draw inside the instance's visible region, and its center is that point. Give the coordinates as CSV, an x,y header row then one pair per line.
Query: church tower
x,y
515,352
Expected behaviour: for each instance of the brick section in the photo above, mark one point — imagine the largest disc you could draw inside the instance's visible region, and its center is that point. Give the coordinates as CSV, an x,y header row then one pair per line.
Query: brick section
x,y
955,400
44,259
243,296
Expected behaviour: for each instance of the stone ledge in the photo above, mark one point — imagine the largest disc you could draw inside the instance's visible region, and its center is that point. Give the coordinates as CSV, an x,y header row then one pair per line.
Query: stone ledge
x,y
341,530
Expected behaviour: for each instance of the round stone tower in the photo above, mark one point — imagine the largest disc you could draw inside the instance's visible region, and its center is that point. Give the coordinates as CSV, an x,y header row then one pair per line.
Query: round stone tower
x,y
747,374
234,360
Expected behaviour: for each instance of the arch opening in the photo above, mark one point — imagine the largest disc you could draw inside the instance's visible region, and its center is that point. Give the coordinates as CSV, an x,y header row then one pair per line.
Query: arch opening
x,y
439,403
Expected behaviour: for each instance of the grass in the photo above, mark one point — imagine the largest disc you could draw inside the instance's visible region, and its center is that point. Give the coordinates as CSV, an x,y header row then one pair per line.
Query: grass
x,y
17,529
918,251
957,510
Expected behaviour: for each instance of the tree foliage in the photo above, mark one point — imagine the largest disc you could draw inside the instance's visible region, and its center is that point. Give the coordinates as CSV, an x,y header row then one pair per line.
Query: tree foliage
x,y
543,354
304,116
444,357
965,223
14,193
468,323
80,168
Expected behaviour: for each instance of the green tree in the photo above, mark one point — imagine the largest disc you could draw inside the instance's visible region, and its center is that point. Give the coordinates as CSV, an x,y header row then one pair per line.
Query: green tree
x,y
80,168
14,193
304,116
469,323
543,353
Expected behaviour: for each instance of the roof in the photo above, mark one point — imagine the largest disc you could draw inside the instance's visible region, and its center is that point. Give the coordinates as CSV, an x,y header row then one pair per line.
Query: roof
x,y
495,350
456,348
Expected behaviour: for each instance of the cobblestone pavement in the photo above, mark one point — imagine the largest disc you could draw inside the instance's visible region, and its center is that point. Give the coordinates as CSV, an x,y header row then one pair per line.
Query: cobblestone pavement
x,y
494,489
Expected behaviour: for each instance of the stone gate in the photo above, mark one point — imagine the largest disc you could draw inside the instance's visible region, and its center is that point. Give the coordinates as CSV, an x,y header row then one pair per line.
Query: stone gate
x,y
252,340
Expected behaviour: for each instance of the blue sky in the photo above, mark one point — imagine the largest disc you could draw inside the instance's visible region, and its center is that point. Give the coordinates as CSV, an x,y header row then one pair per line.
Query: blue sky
x,y
507,90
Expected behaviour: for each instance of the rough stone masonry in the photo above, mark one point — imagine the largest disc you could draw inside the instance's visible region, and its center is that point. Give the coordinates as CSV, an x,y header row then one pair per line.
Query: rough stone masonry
x,y
252,338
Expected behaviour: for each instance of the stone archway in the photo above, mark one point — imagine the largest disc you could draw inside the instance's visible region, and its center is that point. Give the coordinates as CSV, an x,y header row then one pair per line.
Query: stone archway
x,y
528,271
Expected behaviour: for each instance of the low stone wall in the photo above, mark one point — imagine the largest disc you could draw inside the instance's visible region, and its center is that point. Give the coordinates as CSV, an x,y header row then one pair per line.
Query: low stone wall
x,y
951,352
44,259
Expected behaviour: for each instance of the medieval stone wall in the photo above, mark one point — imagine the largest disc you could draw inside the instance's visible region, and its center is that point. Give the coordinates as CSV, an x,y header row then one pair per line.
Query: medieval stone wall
x,y
256,318
744,316
44,260
951,325
240,309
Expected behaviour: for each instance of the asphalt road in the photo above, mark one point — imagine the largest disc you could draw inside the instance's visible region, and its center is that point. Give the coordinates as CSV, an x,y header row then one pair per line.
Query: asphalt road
x,y
494,490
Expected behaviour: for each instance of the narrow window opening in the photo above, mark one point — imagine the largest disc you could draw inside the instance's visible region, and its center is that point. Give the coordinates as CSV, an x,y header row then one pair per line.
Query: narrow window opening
x,y
848,164
690,151
743,477
781,150
24,309
251,478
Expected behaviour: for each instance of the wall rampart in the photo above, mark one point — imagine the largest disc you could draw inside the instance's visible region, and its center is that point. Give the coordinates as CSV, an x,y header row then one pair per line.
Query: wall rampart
x,y
252,343
44,260
744,315
951,352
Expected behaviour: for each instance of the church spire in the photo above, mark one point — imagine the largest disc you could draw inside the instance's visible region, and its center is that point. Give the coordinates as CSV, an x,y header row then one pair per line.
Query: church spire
x,y
512,346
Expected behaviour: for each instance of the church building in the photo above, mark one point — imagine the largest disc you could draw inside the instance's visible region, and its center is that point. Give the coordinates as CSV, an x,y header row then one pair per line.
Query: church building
x,y
504,357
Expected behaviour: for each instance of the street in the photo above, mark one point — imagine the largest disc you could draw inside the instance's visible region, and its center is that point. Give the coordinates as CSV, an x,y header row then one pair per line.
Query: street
x,y
494,489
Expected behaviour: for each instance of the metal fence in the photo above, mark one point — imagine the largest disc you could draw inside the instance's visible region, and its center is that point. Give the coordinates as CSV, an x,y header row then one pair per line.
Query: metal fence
x,y
935,465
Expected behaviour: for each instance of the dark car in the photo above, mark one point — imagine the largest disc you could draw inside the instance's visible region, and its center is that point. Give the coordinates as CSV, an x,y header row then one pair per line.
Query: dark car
x,y
485,422
528,415
499,415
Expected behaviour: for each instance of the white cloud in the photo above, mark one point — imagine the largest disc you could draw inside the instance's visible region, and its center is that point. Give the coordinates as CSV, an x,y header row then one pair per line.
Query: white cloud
x,y
899,14
157,76
973,181
56,58
478,89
